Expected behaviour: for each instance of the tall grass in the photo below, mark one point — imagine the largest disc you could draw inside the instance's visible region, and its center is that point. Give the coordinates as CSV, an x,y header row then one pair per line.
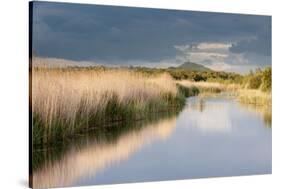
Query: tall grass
x,y
204,87
65,100
240,92
255,97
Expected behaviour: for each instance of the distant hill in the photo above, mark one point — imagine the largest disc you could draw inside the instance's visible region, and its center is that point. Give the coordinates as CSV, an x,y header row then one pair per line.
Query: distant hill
x,y
194,67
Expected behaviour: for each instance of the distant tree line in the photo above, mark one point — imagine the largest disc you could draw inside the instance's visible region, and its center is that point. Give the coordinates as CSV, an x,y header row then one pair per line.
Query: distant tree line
x,y
180,74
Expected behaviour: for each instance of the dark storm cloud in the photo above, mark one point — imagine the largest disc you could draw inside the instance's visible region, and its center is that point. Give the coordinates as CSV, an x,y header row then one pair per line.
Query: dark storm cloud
x,y
260,43
106,33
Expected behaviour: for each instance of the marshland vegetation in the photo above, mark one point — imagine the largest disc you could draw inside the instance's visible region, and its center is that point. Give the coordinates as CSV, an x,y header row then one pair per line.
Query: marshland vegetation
x,y
68,100
256,88
253,88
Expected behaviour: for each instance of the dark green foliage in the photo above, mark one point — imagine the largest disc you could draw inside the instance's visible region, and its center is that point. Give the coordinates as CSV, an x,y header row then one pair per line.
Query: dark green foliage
x,y
260,79
199,78
266,80
112,108
38,130
254,81
187,92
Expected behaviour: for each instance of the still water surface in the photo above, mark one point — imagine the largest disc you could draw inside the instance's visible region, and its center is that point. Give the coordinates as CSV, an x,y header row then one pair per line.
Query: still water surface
x,y
210,137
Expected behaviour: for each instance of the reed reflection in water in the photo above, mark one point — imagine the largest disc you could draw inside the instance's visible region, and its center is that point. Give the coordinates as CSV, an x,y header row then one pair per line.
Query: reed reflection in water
x,y
213,117
264,111
98,155
211,137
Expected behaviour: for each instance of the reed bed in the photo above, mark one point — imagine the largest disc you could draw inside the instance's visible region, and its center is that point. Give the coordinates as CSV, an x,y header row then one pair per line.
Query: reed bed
x,y
244,95
254,96
204,87
65,101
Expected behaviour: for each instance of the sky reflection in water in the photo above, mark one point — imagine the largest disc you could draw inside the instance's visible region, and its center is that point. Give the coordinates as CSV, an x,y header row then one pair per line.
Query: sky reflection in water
x,y
211,137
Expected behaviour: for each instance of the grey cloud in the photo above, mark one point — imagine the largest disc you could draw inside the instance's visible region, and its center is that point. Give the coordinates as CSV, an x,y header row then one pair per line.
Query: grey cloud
x,y
120,34
259,43
258,46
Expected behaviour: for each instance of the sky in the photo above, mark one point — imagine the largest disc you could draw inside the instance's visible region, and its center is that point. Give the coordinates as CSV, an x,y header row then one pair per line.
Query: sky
x,y
125,36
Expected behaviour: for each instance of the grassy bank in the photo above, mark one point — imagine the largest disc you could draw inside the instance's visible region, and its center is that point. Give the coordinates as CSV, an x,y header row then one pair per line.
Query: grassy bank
x,y
253,88
256,88
240,92
203,87
67,101
255,97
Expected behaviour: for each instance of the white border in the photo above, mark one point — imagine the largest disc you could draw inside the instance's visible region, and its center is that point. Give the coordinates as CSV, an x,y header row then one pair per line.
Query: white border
x,y
14,90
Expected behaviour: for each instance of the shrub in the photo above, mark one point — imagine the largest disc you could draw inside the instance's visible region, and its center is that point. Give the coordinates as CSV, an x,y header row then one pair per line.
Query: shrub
x,y
254,81
266,80
198,77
